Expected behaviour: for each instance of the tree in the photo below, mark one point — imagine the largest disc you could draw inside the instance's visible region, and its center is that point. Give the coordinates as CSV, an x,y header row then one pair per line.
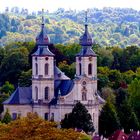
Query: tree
x,y
128,118
121,95
14,62
108,120
108,92
78,118
7,88
134,93
115,78
33,127
7,117
25,79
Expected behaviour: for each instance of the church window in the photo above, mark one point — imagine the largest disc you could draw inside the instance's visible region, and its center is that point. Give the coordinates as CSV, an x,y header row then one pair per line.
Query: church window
x,y
46,69
90,69
36,68
46,116
36,93
14,116
84,96
80,69
52,117
84,83
46,93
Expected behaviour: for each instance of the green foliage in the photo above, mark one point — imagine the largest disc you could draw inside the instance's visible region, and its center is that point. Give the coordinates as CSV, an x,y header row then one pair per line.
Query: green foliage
x,y
78,118
7,88
128,117
13,63
3,97
69,70
108,120
134,91
7,117
108,93
66,26
25,79
121,96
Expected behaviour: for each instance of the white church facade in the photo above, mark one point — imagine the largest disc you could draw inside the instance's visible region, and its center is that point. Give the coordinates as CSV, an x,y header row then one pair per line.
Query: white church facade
x,y
52,93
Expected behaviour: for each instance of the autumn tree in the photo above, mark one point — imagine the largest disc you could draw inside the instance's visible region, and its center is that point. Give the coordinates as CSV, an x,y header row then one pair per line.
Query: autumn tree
x,y
33,127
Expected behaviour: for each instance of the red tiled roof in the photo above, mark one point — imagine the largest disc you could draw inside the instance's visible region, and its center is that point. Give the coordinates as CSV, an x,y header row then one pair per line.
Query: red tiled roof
x,y
118,135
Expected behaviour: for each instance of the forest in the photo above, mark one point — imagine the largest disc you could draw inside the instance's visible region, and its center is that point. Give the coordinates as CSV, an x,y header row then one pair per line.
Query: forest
x,y
116,43
108,26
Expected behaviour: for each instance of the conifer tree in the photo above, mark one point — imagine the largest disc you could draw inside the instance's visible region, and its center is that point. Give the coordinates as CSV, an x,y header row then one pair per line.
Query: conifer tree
x,y
79,118
7,117
108,120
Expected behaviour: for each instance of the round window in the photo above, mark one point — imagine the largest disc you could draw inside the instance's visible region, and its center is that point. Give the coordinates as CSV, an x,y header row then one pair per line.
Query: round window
x,y
84,83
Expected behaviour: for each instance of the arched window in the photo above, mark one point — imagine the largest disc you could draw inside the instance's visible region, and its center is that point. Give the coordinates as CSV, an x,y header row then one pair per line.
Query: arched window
x,y
90,69
52,117
36,93
46,116
36,68
46,93
46,69
84,96
80,69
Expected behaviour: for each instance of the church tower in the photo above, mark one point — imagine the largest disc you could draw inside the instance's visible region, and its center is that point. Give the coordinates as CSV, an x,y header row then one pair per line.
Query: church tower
x,y
43,68
86,60
86,76
86,67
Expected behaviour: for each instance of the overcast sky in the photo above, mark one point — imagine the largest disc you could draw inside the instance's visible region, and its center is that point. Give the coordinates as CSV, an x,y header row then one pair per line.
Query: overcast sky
x,y
52,5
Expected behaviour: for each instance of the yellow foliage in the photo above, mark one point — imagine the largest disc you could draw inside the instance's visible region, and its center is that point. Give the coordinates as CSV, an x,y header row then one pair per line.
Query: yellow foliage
x,y
34,128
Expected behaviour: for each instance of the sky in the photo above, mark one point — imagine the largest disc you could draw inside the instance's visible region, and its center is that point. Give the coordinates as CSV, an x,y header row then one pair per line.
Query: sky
x,y
52,5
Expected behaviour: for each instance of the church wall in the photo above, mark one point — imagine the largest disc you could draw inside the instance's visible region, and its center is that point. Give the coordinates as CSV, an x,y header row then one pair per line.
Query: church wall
x,y
22,110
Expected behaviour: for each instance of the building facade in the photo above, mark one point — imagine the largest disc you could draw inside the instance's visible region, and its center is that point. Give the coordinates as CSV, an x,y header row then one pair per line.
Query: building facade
x,y
52,93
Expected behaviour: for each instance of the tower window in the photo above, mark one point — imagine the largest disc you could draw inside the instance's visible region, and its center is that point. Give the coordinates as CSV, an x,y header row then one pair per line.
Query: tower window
x,y
36,93
90,69
80,69
84,96
46,69
46,116
46,93
36,68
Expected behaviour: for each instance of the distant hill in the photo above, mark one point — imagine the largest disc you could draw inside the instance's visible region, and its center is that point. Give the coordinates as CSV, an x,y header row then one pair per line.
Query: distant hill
x,y
108,26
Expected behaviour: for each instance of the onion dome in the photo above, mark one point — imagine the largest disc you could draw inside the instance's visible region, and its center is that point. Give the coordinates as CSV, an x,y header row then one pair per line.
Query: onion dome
x,y
43,38
86,39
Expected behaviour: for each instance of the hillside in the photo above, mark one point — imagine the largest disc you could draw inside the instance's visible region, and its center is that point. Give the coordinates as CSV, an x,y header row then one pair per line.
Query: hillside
x,y
108,26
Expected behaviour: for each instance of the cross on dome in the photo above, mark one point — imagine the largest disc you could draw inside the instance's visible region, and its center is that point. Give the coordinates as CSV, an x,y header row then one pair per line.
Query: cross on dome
x,y
42,38
86,39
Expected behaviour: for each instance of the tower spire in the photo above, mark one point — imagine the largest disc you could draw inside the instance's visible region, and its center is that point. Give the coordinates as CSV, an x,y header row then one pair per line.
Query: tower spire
x,y
86,22
86,39
42,38
86,18
42,16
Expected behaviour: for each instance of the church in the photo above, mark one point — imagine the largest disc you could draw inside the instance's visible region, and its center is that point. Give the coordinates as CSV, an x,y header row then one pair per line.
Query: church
x,y
53,94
